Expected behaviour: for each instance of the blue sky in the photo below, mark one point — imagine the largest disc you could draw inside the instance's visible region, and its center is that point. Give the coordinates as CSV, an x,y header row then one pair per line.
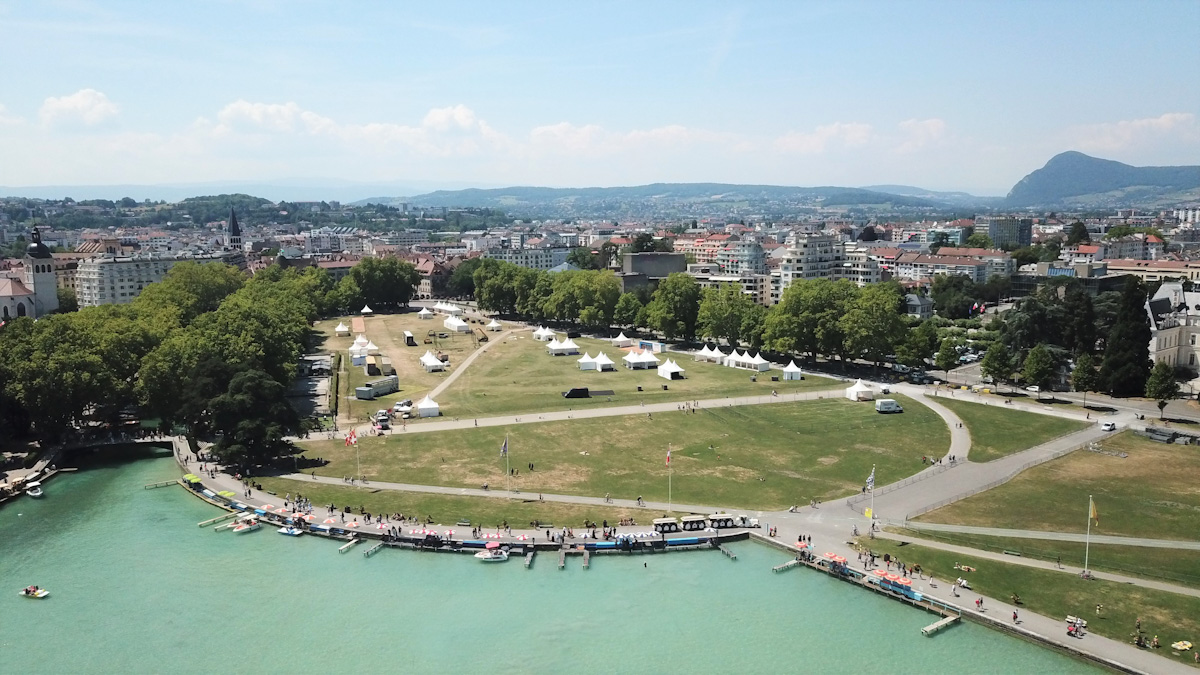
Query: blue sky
x,y
949,95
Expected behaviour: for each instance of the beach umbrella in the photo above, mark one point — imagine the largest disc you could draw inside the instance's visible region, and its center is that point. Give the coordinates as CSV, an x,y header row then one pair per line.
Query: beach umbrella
x,y
414,531
382,526
308,517
266,507
904,581
226,493
352,524
329,520
830,555
838,559
879,573
280,510
893,577
492,544
802,544
448,533
522,537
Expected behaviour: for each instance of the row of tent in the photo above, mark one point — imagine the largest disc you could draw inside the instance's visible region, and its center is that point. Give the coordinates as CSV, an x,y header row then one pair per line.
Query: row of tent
x,y
599,362
563,348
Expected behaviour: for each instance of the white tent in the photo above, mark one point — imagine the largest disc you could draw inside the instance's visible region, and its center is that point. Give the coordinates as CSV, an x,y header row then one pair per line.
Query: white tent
x,y
361,340
622,341
759,363
569,346
543,334
452,310
342,329
367,309
860,392
494,325
358,350
704,354
604,363
716,355
586,362
554,346
633,361
425,313
792,372
439,306
428,407
431,362
670,371
648,358
456,324
372,348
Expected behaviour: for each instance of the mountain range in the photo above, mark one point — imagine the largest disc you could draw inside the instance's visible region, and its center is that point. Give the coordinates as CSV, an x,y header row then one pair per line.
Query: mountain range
x,y
1076,179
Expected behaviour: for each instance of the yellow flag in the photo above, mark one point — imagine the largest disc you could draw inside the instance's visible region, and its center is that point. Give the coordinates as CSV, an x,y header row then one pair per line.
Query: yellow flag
x,y
1092,512
867,513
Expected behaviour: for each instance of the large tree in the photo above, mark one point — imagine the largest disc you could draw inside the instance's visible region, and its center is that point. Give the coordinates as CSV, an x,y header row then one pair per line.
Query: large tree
x,y
385,282
722,312
1039,368
947,355
252,418
997,363
1084,377
1126,364
190,289
1161,385
675,306
872,324
1078,234
626,311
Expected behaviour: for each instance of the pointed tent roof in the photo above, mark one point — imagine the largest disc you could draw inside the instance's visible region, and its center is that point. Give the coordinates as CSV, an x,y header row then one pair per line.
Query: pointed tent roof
x,y
366,309
647,357
361,340
603,360
586,358
372,345
494,324
341,328
454,321
716,351
569,344
859,385
791,367
428,359
542,331
758,360
427,403
705,350
554,344
424,312
632,357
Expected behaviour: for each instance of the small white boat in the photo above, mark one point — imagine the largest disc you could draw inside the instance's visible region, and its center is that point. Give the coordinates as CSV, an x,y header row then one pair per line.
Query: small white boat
x,y
291,531
493,555
246,525
34,489
34,592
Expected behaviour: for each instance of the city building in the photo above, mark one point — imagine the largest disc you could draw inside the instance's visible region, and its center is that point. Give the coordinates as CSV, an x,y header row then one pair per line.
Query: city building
x,y
918,306
708,275
1174,326
999,263
923,267
35,294
534,258
1006,231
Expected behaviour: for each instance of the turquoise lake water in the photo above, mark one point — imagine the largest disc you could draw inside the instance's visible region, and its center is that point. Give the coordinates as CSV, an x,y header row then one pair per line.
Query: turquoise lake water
x,y
137,587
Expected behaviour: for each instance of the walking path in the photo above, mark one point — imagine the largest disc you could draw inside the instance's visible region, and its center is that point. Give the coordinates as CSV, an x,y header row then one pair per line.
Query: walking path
x,y
499,337
1057,536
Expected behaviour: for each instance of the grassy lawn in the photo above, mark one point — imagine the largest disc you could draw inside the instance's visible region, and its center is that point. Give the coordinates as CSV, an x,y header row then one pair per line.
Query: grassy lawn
x,y
997,431
1170,616
1151,493
387,332
449,509
1174,566
761,456
518,376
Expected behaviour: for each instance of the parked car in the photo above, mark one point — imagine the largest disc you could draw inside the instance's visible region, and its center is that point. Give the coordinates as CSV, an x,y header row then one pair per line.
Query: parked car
x,y
1108,426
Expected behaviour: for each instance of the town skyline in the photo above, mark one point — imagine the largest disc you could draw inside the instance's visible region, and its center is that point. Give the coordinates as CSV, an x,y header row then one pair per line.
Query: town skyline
x,y
933,95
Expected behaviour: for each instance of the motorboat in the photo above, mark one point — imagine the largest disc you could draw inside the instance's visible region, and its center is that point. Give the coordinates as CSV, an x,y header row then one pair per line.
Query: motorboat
x,y
291,531
492,553
34,489
34,592
246,525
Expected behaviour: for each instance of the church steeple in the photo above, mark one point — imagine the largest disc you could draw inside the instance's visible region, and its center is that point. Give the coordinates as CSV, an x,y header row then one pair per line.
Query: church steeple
x,y
235,232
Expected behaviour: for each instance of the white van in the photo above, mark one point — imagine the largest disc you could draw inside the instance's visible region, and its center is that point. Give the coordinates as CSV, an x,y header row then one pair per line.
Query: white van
x,y
888,405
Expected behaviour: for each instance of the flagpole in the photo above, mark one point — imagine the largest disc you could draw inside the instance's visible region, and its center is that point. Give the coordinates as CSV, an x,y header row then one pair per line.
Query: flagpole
x,y
507,469
1088,540
670,470
872,492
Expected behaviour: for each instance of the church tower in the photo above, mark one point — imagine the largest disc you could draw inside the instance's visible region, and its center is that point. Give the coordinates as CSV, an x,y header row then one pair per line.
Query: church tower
x,y
233,238
39,276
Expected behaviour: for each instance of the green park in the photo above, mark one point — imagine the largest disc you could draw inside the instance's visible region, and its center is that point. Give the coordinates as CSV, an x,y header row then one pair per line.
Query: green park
x,y
993,428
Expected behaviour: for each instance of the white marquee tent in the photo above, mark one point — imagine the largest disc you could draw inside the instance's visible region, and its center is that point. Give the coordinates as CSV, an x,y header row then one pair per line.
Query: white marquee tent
x,y
425,313
342,329
860,392
670,370
456,324
564,348
604,363
759,363
361,340
428,407
543,334
586,362
570,346
494,325
622,341
431,362
792,372
704,354
372,348
367,310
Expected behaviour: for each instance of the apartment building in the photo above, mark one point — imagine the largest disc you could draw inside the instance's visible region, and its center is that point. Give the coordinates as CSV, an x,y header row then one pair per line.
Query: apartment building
x,y
1006,231
534,258
921,266
999,263
708,275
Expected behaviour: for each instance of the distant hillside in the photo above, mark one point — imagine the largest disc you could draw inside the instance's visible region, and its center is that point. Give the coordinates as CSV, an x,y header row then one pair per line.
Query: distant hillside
x,y
662,195
963,198
1073,178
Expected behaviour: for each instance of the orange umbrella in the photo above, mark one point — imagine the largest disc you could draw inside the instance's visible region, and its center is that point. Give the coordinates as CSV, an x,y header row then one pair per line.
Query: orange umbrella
x,y
838,559
352,524
904,581
329,520
879,573
893,577
830,554
802,544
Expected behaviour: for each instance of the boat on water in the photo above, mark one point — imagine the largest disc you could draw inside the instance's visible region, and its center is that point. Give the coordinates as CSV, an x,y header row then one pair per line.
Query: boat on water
x,y
291,531
34,489
492,553
34,592
246,525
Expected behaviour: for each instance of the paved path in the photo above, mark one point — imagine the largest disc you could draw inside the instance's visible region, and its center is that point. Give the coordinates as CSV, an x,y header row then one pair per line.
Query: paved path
x,y
1040,564
1058,536
499,337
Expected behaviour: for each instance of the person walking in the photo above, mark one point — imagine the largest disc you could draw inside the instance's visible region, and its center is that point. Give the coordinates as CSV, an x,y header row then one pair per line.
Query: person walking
x,y
1015,616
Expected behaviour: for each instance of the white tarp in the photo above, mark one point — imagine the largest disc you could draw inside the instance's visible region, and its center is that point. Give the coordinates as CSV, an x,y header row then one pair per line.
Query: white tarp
x,y
860,392
428,408
425,313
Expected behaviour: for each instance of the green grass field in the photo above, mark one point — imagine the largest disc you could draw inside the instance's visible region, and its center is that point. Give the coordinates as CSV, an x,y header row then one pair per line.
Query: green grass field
x,y
761,456
488,512
998,431
1175,566
518,376
1170,616
1151,493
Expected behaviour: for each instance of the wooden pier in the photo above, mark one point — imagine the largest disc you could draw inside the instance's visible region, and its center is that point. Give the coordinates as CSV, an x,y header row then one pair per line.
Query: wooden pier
x,y
529,559
348,545
562,558
786,566
726,550
373,550
218,519
587,559
161,483
940,624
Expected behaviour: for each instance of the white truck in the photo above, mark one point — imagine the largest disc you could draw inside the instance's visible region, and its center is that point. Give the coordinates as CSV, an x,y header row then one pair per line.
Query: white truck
x,y
888,405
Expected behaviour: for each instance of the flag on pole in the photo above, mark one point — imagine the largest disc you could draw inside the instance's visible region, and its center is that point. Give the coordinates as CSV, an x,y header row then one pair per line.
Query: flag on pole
x,y
1092,512
504,447
668,458
871,480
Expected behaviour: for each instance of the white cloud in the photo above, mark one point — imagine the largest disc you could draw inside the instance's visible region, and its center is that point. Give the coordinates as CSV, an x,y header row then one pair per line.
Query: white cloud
x,y
920,133
845,134
5,118
87,106
1135,134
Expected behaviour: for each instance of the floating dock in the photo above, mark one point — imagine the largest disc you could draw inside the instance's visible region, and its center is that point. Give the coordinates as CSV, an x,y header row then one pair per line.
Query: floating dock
x,y
373,550
529,559
562,558
727,551
940,624
786,566
218,519
587,559
348,545
161,483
